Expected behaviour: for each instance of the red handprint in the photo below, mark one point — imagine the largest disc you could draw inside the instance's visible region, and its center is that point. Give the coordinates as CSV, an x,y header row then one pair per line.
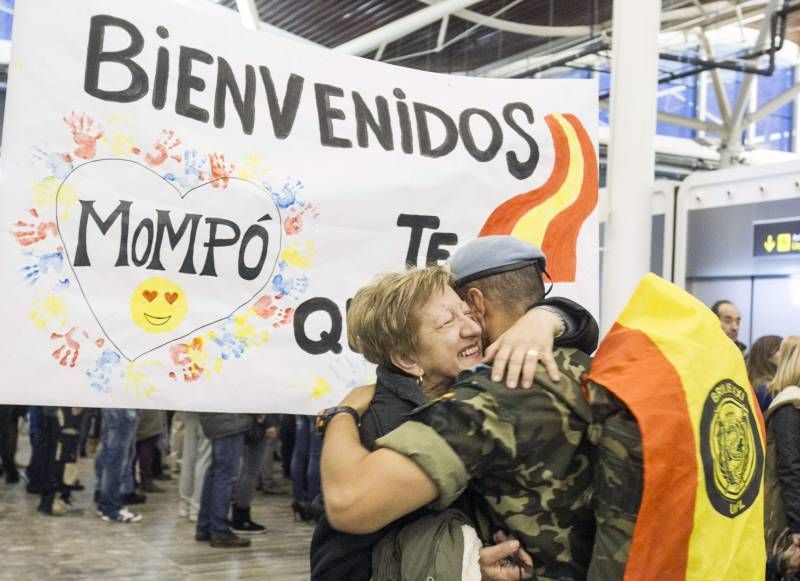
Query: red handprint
x,y
284,317
264,307
28,233
84,134
67,353
294,223
220,171
180,356
162,148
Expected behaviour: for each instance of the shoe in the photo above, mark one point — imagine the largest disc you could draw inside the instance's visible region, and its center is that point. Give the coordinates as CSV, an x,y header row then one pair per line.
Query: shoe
x,y
242,524
134,498
123,516
301,511
150,488
229,540
77,486
183,509
272,487
202,536
60,508
163,477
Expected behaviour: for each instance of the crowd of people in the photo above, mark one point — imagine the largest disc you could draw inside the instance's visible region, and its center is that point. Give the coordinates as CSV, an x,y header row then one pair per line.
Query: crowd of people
x,y
442,469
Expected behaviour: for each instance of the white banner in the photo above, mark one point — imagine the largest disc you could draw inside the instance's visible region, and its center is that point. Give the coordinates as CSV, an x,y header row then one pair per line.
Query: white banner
x,y
189,205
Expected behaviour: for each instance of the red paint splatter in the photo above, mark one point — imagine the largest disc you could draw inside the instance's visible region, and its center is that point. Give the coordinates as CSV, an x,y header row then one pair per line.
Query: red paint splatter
x,y
293,224
67,353
84,134
100,342
264,307
162,149
284,318
220,171
172,375
28,233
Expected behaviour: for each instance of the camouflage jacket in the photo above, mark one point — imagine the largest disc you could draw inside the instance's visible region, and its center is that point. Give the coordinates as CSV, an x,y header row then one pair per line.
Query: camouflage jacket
x,y
527,452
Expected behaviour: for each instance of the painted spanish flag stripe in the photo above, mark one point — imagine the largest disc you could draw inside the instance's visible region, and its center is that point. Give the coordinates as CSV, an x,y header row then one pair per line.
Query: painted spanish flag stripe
x,y
551,216
503,219
561,239
667,328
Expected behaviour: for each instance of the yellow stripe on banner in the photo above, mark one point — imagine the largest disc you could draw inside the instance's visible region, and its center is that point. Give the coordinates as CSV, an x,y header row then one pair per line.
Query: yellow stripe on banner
x,y
721,546
533,225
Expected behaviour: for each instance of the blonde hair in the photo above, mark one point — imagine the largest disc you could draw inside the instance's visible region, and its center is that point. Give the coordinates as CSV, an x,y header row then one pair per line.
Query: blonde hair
x,y
789,366
383,316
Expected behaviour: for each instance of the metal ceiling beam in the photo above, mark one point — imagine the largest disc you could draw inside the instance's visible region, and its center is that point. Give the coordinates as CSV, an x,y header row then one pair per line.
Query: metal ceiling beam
x,y
402,26
680,121
516,27
719,88
248,11
771,106
733,134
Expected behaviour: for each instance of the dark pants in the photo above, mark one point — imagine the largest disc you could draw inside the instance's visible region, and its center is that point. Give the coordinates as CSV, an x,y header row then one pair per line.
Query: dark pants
x,y
146,455
9,418
305,460
37,467
226,455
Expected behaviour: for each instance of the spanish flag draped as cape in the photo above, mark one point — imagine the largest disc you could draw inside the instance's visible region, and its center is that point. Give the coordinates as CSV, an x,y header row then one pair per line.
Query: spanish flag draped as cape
x,y
702,509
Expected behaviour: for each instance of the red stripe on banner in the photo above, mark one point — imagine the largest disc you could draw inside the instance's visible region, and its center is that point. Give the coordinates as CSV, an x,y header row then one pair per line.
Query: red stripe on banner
x,y
560,241
503,219
657,399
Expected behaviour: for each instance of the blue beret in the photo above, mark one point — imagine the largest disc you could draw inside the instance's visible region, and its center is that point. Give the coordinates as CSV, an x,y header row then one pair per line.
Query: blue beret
x,y
490,255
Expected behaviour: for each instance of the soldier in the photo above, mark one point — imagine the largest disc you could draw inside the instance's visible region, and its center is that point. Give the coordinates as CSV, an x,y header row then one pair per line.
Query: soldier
x,y
529,453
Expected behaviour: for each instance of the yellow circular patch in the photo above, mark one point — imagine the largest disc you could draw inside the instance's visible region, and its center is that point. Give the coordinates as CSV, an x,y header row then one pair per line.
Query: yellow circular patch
x,y
158,305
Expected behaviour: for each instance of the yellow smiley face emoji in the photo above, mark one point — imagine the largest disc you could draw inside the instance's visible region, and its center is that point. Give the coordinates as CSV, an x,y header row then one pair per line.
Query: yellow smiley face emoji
x,y
158,305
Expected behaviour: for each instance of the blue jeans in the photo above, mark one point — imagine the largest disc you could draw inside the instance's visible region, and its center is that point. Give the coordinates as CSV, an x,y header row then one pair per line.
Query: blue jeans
x,y
305,460
226,455
112,466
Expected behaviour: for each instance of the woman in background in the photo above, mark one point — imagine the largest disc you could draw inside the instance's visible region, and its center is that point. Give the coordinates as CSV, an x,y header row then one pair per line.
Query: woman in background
x,y
762,363
782,474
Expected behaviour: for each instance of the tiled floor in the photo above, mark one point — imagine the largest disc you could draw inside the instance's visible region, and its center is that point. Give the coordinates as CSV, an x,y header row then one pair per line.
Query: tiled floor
x,y
162,546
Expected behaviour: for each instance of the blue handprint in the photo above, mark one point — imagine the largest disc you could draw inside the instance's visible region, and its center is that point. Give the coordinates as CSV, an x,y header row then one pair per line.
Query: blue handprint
x,y
287,195
100,376
58,164
44,263
193,164
228,344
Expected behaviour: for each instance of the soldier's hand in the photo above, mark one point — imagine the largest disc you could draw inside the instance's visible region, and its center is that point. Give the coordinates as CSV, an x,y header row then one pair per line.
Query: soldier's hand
x,y
521,348
505,561
791,561
359,398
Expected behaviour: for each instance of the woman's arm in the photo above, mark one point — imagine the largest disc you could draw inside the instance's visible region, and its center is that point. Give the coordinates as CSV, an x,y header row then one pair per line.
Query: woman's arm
x,y
365,491
785,424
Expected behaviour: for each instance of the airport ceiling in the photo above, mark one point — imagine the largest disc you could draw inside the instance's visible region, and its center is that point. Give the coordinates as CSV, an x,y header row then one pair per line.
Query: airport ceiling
x,y
469,43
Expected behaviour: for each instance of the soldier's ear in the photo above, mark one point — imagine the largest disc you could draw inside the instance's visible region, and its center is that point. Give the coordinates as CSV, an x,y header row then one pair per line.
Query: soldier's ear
x,y
406,364
477,302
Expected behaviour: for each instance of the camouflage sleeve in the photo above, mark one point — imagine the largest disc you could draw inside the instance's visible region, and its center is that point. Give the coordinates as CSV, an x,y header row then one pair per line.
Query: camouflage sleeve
x,y
433,455
467,435
618,483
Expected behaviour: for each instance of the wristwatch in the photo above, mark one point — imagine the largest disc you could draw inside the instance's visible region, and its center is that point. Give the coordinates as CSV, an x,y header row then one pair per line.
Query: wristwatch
x,y
325,416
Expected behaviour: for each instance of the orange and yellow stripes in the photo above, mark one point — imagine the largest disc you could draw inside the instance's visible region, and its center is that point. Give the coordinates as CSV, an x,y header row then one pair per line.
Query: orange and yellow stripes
x,y
663,358
551,216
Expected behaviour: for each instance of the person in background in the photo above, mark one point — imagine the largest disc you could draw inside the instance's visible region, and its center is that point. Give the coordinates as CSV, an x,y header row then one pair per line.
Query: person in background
x,y
252,462
762,362
9,420
305,469
268,484
730,319
226,432
61,434
195,459
782,466
152,424
113,465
